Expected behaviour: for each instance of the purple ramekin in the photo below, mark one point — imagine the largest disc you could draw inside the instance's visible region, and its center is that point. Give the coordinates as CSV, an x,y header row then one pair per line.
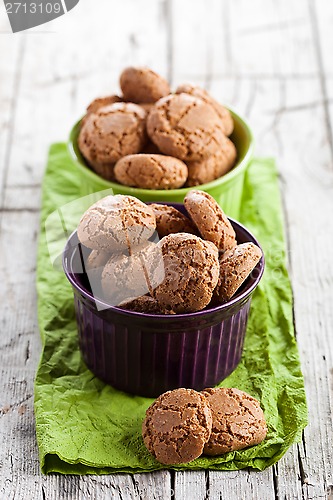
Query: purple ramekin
x,y
147,354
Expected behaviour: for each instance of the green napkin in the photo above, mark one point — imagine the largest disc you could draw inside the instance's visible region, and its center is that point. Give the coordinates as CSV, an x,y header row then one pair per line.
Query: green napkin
x,y
84,426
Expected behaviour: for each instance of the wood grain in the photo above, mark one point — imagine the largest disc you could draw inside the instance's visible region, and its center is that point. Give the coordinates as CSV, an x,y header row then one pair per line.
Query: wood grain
x,y
273,64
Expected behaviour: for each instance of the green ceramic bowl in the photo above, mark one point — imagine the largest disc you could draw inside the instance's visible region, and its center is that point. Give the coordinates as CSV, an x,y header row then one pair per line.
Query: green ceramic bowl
x,y
226,190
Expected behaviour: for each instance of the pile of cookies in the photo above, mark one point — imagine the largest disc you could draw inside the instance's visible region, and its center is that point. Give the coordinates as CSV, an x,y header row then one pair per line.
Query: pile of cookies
x,y
182,424
153,259
151,138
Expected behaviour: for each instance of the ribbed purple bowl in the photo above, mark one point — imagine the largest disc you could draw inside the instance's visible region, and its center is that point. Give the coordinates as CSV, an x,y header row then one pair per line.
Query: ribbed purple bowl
x,y
147,354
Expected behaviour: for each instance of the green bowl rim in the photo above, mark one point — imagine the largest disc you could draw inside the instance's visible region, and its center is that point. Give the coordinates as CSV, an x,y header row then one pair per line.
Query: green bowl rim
x,y
171,192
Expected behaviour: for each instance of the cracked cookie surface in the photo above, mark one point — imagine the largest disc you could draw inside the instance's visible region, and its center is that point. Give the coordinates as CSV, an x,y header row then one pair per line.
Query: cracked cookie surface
x,y
145,304
177,426
213,167
191,273
116,223
143,85
151,171
210,219
223,113
170,221
238,421
185,126
112,132
235,266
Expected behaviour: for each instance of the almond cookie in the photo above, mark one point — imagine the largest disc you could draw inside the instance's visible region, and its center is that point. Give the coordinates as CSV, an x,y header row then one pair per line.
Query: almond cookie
x,y
235,266
148,171
185,126
224,113
98,103
111,133
143,85
169,221
238,421
210,219
116,223
123,278
201,172
177,426
191,273
144,304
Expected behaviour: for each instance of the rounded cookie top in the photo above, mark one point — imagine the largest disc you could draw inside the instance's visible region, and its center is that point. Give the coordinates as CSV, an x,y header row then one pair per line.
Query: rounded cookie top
x,y
210,219
116,223
169,221
143,85
191,272
213,167
235,266
151,171
177,426
123,277
185,126
238,421
112,132
223,113
100,102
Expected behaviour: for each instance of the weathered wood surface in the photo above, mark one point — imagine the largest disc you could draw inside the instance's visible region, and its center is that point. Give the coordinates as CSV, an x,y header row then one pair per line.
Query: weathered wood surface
x,y
272,61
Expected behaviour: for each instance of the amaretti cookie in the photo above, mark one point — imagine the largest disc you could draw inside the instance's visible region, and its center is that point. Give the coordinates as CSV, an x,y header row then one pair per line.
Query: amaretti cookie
x,y
130,276
150,171
112,132
116,223
143,85
169,221
223,113
185,126
213,167
235,266
101,102
98,103
145,304
238,421
191,273
177,426
210,219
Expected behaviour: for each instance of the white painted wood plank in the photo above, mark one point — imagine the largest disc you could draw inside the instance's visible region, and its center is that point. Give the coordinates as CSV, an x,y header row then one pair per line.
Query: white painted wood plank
x,y
191,484
10,59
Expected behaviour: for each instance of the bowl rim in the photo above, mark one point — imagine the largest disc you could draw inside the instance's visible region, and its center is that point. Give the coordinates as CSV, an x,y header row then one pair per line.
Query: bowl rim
x,y
167,317
224,179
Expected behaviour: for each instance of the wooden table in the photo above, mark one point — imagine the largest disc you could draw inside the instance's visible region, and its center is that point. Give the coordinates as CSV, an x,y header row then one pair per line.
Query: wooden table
x,y
269,59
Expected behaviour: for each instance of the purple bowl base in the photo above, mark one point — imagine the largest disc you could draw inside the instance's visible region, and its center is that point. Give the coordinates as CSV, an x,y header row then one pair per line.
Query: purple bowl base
x,y
148,363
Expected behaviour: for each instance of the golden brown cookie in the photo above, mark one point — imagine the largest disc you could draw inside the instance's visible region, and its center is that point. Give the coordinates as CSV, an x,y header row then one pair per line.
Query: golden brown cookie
x,y
143,85
145,304
116,223
201,172
238,421
235,266
123,278
177,426
191,273
224,113
148,171
210,219
169,221
111,133
185,126
100,102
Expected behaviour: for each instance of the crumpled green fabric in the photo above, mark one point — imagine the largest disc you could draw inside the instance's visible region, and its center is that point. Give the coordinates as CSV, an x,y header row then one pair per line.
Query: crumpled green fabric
x,y
84,426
